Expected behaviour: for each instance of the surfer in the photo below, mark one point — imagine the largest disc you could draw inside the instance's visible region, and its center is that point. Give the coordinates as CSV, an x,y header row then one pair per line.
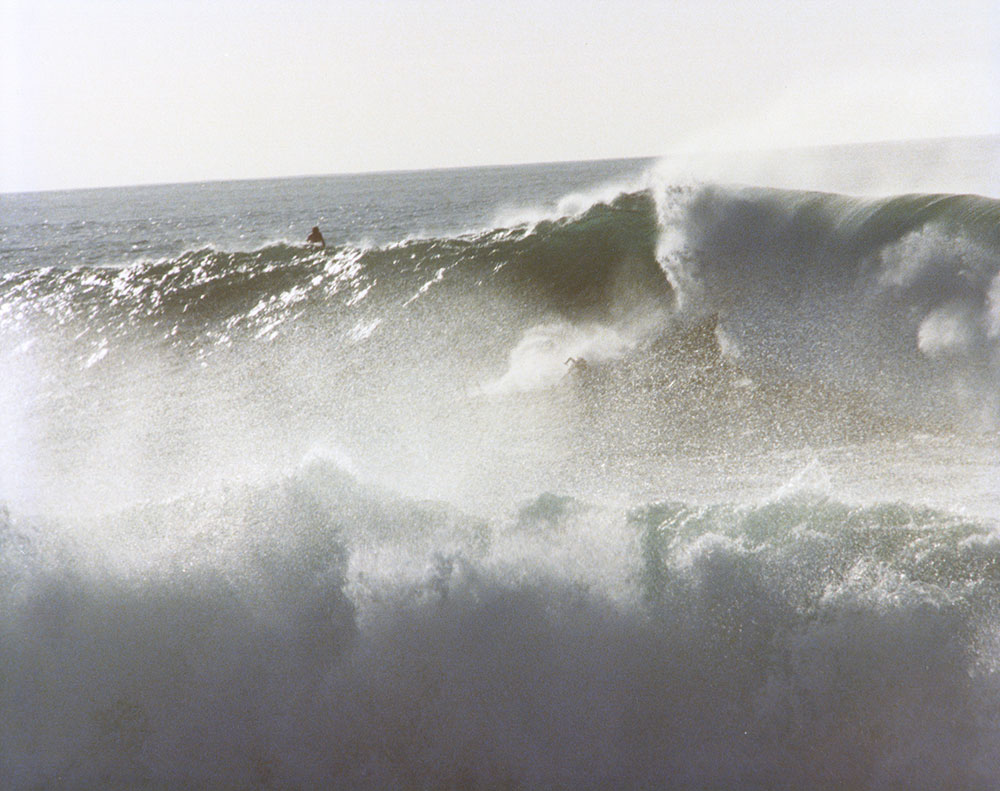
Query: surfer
x,y
315,237
576,365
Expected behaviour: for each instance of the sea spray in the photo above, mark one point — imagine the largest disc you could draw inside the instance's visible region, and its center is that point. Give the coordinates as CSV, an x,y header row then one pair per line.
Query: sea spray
x,y
321,631
280,517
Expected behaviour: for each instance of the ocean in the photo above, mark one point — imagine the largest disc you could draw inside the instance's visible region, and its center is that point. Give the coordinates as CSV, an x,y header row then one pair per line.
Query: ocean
x,y
639,474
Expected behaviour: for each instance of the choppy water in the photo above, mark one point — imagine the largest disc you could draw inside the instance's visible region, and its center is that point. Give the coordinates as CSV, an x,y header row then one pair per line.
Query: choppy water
x,y
283,517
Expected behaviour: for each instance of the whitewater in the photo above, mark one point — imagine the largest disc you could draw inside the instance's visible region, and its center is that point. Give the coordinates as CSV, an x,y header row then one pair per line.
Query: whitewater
x,y
275,516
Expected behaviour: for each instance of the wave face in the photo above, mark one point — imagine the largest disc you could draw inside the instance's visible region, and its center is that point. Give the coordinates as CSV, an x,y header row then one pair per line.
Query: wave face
x,y
895,296
670,485
713,319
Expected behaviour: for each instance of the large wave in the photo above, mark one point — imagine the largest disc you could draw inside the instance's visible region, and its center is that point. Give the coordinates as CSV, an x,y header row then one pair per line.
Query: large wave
x,y
892,296
318,631
711,318
293,518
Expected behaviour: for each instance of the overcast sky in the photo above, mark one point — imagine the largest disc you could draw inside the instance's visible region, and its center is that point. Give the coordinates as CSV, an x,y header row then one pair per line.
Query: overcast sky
x,y
107,92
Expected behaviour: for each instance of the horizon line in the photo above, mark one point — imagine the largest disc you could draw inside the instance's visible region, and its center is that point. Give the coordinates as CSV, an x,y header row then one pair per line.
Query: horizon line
x,y
501,165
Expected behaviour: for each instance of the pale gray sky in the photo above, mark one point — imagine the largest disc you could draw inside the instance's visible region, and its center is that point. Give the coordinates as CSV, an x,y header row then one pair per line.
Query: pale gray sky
x,y
104,92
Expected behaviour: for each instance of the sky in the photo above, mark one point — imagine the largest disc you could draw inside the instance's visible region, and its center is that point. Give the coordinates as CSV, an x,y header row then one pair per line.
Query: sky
x,y
115,92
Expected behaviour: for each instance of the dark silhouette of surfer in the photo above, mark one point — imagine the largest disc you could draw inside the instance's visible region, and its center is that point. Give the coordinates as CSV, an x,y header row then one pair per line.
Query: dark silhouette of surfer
x,y
315,237
577,365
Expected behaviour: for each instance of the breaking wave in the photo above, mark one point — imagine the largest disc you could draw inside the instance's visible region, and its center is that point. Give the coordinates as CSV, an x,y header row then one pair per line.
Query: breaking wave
x,y
818,284
321,631
557,504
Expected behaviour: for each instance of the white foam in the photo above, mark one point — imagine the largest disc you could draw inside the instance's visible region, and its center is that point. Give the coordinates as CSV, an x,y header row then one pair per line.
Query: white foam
x,y
542,358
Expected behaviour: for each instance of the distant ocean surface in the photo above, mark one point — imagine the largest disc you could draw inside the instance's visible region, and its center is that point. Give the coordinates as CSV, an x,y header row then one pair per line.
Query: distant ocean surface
x,y
652,474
